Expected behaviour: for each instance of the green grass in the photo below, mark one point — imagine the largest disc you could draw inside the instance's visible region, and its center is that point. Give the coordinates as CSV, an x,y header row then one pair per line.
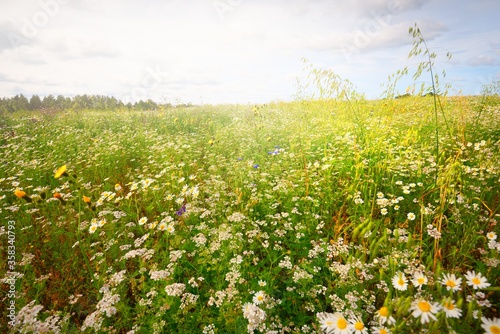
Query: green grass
x,y
324,202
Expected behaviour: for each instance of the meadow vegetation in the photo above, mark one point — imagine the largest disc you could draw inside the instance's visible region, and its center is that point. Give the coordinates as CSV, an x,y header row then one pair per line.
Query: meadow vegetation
x,y
287,218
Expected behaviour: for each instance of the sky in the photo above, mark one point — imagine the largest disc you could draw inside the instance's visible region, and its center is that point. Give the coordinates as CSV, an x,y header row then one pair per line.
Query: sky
x,y
237,51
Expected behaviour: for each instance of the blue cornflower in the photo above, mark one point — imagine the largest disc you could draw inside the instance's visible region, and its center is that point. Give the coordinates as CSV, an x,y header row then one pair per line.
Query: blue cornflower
x,y
181,210
275,152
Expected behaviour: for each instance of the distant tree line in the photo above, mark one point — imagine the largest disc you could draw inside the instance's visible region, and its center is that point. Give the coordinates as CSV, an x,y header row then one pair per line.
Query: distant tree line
x,y
79,102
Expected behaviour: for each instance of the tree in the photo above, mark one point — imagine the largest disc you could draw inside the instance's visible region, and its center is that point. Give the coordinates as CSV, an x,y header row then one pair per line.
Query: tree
x,y
35,102
21,102
62,102
49,102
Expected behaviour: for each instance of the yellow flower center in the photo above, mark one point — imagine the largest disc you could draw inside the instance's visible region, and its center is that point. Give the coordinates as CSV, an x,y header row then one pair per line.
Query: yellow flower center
x,y
384,311
260,297
421,280
401,282
450,283
476,281
329,323
449,306
424,306
495,329
359,325
341,323
382,331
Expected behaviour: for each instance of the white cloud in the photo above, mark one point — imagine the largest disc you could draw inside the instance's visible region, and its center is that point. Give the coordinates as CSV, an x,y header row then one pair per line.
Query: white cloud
x,y
226,50
482,60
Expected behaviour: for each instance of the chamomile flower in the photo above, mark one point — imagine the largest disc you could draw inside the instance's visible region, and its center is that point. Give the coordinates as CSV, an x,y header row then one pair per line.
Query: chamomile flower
x,y
357,326
262,283
425,310
170,228
419,279
259,297
399,281
340,324
450,308
451,282
246,308
384,316
491,326
477,281
411,216
492,236
327,323
93,228
162,226
380,330
101,222
143,220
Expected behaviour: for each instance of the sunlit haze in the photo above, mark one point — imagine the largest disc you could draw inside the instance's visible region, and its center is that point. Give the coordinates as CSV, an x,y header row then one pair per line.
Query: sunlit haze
x,y
235,51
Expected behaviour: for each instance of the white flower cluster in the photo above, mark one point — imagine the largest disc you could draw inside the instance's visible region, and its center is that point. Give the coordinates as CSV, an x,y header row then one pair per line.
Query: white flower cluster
x,y
175,289
157,275
285,263
433,232
104,307
299,274
117,278
144,253
236,217
255,316
27,322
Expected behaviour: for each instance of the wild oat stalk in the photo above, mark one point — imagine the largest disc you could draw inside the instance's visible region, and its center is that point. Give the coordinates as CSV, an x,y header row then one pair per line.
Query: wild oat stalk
x,y
328,86
427,65
419,46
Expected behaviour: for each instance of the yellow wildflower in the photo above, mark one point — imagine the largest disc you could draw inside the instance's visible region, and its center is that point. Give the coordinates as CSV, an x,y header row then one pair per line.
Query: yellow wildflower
x,y
61,171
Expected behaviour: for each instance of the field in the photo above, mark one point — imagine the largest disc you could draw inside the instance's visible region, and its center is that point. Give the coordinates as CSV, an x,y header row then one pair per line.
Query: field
x,y
302,217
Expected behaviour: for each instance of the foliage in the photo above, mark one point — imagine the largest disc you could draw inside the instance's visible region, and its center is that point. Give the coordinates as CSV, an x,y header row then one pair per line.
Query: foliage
x,y
234,219
84,102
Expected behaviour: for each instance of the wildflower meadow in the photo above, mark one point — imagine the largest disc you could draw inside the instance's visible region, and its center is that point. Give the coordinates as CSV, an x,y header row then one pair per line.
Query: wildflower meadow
x,y
328,215
303,217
